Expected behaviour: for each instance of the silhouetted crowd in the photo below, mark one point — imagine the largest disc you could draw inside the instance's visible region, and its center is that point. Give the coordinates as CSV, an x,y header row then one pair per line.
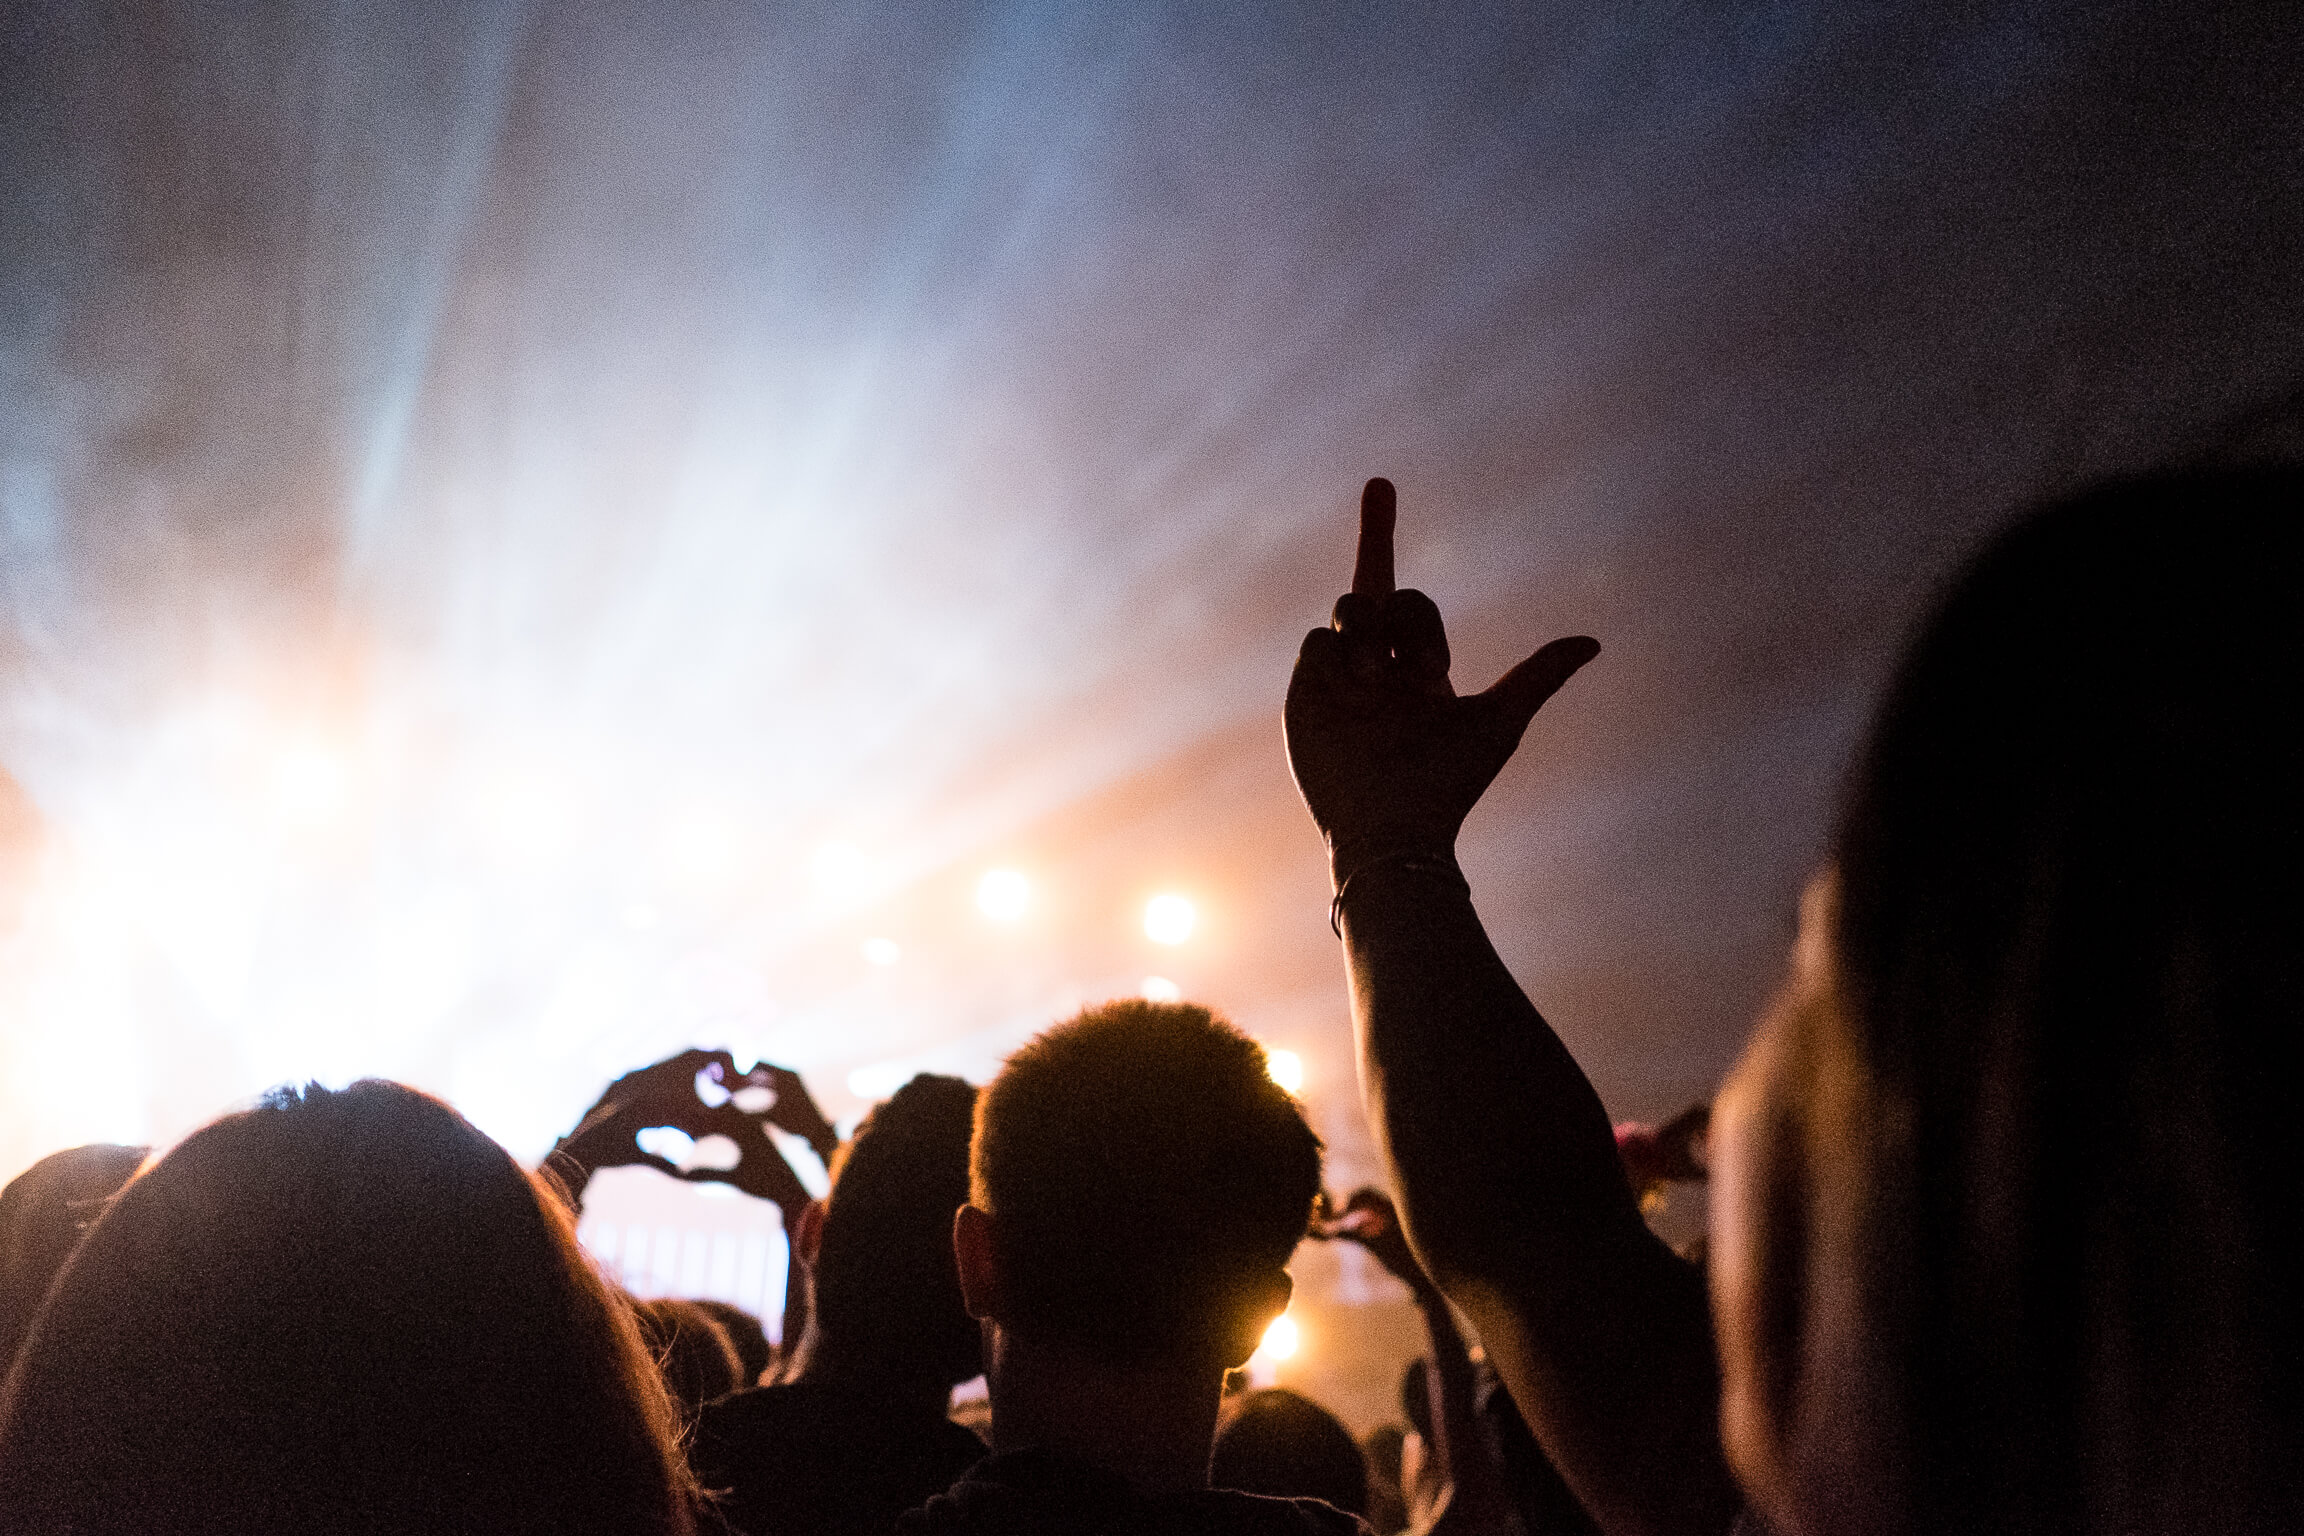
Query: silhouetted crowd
x,y
2001,1214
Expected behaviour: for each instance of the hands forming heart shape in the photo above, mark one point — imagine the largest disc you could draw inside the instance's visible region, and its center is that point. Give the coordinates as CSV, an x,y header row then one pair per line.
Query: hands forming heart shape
x,y
701,1094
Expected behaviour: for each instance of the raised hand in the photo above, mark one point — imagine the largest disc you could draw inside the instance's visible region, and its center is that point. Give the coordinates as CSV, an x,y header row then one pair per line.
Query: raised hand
x,y
665,1094
1388,756
794,1110
1369,1220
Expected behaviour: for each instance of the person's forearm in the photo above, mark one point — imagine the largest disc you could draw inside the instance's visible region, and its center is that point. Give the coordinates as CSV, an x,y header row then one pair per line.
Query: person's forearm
x,y
1502,1150
1512,1195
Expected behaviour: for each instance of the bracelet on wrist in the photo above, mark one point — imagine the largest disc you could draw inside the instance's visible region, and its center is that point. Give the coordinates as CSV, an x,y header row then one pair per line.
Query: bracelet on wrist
x,y
1415,861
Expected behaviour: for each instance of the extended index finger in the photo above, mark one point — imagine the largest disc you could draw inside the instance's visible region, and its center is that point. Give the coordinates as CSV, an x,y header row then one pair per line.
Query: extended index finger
x,y
1379,509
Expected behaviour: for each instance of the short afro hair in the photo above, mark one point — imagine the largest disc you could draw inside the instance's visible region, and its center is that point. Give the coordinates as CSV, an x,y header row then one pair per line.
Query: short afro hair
x,y
1145,1177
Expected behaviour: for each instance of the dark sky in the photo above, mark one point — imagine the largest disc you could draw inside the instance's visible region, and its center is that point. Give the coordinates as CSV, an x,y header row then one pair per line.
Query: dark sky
x,y
614,450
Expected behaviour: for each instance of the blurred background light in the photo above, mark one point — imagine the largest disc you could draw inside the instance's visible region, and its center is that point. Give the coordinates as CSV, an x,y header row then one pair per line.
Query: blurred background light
x,y
1282,1339
1286,1068
1003,895
309,783
843,873
1159,989
882,952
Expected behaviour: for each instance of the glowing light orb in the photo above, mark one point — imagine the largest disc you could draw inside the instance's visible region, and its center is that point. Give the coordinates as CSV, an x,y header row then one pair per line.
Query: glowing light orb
x,y
1285,1068
1159,989
882,951
1003,894
1169,919
1281,1340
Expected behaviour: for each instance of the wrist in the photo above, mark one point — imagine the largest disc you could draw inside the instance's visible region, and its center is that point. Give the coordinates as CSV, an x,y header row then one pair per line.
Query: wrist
x,y
1419,861
1349,855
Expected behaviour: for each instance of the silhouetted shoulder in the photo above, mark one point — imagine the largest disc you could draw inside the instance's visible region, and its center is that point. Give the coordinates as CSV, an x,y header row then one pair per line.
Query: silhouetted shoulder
x,y
807,1458
1037,1493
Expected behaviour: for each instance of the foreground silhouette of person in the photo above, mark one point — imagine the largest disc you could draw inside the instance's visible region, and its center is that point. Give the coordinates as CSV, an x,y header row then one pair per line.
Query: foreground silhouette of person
x,y
1138,1183
43,1212
2003,1231
345,1312
854,1432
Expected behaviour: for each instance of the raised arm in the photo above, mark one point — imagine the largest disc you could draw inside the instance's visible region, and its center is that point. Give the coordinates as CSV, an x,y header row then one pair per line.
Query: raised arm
x,y
1511,1191
1473,1500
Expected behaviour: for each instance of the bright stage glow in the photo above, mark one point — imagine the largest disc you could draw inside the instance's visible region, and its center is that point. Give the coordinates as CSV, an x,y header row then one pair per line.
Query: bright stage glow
x,y
843,873
309,784
702,845
1003,895
1169,919
882,952
1159,989
1285,1068
1281,1340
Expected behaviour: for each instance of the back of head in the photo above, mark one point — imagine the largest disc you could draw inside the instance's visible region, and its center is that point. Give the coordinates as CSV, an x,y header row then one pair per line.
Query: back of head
x,y
2071,884
345,1311
885,1290
693,1356
43,1211
1284,1444
1146,1179
745,1335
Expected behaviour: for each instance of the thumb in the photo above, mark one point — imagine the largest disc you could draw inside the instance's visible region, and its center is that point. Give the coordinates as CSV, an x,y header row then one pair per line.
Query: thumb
x,y
1519,693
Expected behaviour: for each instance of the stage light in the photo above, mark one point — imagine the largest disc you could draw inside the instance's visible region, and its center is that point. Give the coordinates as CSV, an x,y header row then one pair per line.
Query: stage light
x,y
308,783
882,951
1285,1068
1003,894
1281,1339
1159,989
1169,919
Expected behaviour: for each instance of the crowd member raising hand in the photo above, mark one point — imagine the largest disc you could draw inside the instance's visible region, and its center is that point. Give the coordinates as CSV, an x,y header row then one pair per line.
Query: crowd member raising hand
x,y
1511,1190
2002,1229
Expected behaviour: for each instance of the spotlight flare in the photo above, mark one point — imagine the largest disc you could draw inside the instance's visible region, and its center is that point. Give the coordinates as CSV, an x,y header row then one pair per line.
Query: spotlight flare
x,y
1169,919
1003,895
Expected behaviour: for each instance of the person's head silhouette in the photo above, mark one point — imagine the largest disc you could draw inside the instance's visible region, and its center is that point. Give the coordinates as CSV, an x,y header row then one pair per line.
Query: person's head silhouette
x,y
854,1430
885,1303
2005,1236
1138,1184
344,1311
43,1211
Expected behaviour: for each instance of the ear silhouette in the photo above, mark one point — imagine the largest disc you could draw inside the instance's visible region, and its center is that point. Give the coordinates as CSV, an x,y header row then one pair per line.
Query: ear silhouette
x,y
976,1255
808,1233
